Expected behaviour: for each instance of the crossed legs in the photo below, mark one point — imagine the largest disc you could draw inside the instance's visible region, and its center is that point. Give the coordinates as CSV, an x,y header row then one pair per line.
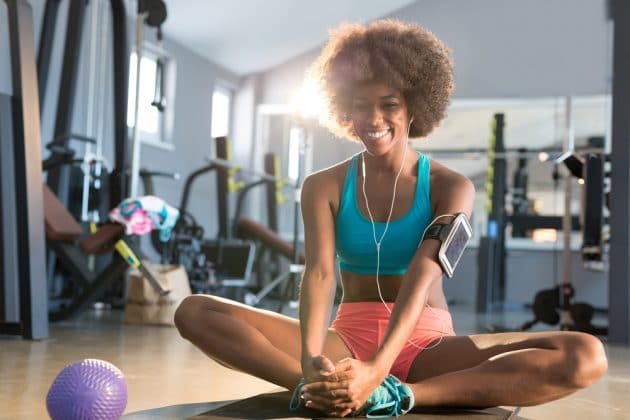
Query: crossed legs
x,y
255,341
475,371
521,369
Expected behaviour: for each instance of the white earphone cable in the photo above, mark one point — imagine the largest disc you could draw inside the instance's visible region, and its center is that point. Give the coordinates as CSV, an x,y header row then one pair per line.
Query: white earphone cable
x,y
378,242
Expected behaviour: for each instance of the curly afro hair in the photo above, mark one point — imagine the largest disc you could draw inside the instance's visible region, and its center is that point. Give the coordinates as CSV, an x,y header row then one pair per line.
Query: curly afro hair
x,y
404,56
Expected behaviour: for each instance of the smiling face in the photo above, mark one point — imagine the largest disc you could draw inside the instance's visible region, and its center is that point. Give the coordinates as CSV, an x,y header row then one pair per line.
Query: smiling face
x,y
379,116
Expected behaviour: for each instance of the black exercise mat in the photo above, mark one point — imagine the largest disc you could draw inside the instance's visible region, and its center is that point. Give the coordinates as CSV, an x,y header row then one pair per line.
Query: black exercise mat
x,y
275,406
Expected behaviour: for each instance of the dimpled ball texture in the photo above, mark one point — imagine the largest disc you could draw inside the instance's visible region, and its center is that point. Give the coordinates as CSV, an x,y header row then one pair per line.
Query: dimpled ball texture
x,y
87,389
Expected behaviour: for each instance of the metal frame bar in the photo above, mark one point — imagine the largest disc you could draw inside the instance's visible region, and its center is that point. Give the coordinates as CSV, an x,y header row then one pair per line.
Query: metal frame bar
x,y
619,274
183,204
118,177
28,174
59,177
9,276
491,279
46,42
223,176
94,286
271,161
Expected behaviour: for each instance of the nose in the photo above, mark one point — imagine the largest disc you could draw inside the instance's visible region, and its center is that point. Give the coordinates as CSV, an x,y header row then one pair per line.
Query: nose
x,y
374,116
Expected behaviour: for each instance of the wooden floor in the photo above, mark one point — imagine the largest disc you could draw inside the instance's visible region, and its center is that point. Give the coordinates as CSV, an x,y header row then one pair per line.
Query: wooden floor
x,y
163,370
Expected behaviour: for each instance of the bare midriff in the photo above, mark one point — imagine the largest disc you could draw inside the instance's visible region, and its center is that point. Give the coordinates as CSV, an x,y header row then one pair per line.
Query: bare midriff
x,y
362,288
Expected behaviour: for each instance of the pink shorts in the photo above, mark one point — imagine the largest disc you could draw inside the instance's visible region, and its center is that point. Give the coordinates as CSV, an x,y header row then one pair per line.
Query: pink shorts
x,y
362,325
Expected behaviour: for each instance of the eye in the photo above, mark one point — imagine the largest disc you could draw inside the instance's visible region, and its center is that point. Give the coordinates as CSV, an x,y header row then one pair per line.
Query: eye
x,y
360,107
390,105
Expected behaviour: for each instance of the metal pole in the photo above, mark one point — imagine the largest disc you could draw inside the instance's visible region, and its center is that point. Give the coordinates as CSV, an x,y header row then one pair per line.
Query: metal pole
x,y
296,268
9,274
89,113
223,188
46,41
28,173
59,177
118,177
619,275
569,144
135,138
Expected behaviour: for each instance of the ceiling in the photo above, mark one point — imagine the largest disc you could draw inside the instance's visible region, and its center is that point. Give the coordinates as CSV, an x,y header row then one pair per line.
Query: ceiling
x,y
249,36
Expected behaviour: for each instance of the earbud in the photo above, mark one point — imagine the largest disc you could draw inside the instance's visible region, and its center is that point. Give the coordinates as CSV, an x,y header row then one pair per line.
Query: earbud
x,y
363,165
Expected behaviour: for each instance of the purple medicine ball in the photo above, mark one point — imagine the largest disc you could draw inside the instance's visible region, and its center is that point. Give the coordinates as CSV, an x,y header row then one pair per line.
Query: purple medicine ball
x,y
88,389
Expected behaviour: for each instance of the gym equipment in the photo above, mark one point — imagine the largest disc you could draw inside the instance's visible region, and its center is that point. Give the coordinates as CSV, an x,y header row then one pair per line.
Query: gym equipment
x,y
88,187
594,245
59,176
227,260
210,263
90,193
520,202
492,252
87,389
267,259
491,255
547,303
147,179
566,292
62,232
573,315
250,229
46,39
23,297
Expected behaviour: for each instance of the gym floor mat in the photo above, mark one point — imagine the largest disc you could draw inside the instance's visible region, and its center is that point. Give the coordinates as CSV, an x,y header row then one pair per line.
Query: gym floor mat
x,y
275,406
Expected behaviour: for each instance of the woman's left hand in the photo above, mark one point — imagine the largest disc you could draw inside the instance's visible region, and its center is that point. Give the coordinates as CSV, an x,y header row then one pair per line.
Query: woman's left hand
x,y
346,389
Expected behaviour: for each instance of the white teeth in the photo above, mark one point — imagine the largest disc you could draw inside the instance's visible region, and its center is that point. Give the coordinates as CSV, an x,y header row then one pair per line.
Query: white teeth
x,y
377,134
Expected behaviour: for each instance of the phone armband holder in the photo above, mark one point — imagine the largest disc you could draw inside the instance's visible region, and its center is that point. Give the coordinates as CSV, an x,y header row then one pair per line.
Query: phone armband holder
x,y
454,237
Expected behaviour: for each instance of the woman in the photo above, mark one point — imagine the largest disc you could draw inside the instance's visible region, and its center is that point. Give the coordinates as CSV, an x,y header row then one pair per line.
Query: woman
x,y
392,344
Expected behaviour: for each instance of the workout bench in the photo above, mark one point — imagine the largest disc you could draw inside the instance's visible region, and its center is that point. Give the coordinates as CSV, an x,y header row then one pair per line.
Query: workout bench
x,y
62,235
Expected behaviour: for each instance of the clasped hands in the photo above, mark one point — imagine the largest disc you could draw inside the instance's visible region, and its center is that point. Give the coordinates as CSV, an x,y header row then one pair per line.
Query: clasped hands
x,y
339,389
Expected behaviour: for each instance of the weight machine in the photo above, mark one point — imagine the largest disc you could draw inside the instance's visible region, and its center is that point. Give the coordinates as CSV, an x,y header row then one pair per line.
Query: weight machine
x,y
492,251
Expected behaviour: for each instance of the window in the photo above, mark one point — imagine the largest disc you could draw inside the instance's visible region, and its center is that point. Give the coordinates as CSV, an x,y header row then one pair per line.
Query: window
x,y
221,101
148,116
156,80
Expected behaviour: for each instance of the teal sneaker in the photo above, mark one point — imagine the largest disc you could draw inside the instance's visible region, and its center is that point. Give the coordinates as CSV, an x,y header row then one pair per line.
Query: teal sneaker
x,y
296,397
391,398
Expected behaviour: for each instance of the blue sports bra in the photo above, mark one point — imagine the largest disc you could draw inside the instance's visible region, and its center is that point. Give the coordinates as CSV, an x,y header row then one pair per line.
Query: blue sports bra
x,y
354,241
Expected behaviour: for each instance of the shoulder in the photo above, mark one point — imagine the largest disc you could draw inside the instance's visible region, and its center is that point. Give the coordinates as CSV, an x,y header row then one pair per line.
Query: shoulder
x,y
450,189
326,183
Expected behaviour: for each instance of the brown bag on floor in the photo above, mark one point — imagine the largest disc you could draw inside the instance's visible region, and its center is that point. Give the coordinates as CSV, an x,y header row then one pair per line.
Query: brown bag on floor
x,y
145,305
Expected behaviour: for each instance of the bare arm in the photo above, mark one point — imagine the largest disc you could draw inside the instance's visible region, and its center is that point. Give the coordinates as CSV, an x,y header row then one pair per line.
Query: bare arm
x,y
422,272
317,288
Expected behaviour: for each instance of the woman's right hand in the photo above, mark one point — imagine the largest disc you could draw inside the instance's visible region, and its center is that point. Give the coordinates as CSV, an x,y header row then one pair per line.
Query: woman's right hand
x,y
320,369
316,367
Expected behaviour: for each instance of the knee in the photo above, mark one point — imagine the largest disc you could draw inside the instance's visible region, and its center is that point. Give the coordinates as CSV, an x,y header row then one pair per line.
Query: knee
x,y
187,315
585,360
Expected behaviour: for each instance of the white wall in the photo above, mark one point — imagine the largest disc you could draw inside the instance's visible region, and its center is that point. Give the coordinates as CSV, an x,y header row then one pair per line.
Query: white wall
x,y
502,48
